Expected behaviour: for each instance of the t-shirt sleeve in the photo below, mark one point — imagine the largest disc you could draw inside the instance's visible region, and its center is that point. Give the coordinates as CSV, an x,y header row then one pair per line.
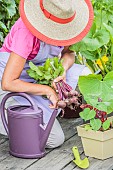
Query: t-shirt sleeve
x,y
22,43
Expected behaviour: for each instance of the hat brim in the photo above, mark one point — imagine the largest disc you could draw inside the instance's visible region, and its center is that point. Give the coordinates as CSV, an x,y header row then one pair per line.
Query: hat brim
x,y
55,33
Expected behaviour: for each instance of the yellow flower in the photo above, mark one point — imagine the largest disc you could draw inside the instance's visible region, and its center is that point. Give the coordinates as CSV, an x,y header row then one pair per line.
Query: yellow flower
x,y
99,62
104,59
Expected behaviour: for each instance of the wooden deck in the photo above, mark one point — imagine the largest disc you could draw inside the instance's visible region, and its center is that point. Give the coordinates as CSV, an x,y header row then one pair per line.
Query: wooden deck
x,y
55,159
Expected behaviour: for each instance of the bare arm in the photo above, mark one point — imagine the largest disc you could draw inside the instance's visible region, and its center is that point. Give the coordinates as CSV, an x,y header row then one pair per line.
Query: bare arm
x,y
68,58
11,81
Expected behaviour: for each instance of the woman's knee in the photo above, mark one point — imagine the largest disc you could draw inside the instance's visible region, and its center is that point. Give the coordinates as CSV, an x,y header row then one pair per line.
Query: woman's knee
x,y
56,141
59,139
56,137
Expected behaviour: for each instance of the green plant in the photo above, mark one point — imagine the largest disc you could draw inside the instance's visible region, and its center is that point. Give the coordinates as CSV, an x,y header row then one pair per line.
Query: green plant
x,y
8,16
48,72
98,94
99,41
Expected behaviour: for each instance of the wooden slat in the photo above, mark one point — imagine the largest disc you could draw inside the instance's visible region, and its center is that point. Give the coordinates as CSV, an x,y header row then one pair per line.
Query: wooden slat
x,y
3,151
69,126
3,138
17,163
101,164
70,166
111,167
96,164
58,158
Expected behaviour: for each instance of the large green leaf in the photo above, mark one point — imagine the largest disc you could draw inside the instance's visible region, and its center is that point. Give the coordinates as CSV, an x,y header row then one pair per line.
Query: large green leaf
x,y
11,8
100,18
110,30
78,47
94,86
94,40
90,84
103,106
97,40
91,55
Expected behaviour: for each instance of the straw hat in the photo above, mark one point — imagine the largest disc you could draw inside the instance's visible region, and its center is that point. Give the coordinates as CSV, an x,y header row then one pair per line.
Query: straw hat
x,y
57,22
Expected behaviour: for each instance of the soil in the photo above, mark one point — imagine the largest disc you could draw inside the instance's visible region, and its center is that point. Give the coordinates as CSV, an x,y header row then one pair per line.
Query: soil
x,y
72,113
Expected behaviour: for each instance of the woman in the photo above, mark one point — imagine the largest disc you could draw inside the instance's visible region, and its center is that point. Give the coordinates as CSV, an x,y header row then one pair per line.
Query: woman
x,y
46,29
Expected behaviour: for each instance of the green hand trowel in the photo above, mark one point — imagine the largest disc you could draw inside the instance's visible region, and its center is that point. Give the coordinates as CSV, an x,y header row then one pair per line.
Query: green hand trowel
x,y
81,163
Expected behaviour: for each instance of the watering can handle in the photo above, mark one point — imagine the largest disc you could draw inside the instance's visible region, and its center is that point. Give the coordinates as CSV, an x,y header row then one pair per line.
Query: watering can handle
x,y
3,106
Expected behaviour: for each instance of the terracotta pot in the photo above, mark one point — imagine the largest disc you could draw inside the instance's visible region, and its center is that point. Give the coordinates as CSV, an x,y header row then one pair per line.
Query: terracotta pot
x,y
97,144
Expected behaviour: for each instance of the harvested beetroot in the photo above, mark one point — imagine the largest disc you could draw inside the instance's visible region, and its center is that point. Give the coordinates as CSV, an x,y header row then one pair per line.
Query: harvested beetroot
x,y
67,96
61,104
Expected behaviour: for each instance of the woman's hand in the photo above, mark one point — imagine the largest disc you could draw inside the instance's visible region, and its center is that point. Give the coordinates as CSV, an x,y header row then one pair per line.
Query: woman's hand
x,y
53,97
63,77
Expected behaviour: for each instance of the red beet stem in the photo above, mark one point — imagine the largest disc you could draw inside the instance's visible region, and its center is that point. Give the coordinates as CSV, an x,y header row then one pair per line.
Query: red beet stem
x,y
59,91
63,90
67,86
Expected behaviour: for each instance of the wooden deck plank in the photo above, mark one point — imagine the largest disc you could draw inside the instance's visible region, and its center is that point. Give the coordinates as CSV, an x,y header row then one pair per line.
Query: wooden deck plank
x,y
59,157
69,126
70,166
111,167
3,139
96,164
100,164
4,151
11,162
56,159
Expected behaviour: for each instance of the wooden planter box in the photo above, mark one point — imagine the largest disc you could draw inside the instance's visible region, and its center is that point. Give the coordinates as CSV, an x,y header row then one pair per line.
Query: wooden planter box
x,y
97,144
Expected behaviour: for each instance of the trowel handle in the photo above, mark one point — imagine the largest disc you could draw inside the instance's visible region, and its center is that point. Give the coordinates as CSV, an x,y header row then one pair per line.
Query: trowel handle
x,y
2,107
76,153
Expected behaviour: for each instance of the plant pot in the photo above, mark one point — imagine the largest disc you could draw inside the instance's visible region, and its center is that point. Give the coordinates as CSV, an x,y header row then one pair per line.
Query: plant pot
x,y
97,144
69,114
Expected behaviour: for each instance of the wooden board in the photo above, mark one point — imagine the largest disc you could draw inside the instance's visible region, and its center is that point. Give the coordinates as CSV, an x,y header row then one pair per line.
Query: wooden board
x,y
10,162
56,159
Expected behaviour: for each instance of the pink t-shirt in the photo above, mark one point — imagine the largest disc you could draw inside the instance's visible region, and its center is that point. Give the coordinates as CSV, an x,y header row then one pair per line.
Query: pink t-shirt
x,y
21,41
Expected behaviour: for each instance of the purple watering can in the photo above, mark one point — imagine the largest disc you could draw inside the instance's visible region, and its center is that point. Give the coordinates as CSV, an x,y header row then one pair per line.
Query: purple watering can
x,y
25,128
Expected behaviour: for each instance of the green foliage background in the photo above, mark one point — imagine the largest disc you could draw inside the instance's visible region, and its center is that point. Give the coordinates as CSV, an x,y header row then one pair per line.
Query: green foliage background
x,y
8,15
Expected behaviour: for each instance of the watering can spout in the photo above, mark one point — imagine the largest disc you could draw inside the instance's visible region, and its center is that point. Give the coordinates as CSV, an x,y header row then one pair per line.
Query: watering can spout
x,y
45,131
